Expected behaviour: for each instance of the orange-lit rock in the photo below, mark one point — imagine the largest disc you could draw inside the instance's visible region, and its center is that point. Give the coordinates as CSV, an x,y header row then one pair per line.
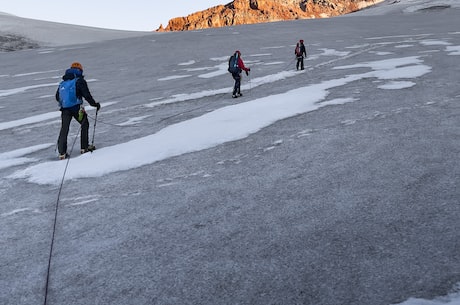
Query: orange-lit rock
x,y
257,11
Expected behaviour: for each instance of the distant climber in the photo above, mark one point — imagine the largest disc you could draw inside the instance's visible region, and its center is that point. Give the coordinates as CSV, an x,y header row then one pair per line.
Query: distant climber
x,y
235,67
300,53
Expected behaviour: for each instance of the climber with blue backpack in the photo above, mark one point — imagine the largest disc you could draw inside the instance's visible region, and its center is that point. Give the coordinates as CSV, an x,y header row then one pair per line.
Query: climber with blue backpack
x,y
235,67
70,93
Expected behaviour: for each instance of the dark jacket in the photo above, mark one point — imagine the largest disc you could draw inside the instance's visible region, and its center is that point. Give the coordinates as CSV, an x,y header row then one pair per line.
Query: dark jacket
x,y
81,87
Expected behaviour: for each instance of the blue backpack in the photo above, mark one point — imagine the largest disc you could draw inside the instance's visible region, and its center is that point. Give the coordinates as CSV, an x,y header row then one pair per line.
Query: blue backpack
x,y
233,64
68,93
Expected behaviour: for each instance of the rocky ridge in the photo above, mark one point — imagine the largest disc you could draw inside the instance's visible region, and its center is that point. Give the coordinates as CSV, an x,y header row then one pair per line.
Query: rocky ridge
x,y
240,12
11,42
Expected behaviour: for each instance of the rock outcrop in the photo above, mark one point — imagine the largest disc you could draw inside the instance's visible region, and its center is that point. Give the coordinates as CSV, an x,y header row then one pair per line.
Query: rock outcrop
x,y
258,11
11,42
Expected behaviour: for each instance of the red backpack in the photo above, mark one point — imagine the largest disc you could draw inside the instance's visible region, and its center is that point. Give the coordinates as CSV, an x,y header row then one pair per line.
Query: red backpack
x,y
297,50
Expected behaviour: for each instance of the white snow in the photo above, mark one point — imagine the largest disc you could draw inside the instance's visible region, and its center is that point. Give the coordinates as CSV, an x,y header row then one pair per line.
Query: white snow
x,y
433,42
134,121
225,124
7,92
187,63
397,85
452,298
454,50
16,157
332,52
222,125
252,84
408,6
39,117
173,77
34,73
328,52
30,120
221,70
17,211
421,5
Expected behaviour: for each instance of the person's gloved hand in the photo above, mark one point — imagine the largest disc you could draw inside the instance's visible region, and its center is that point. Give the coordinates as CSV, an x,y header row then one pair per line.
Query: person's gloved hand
x,y
247,72
98,106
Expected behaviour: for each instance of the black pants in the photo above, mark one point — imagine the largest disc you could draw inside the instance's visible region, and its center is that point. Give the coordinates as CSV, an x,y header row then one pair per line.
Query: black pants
x,y
66,118
299,63
237,78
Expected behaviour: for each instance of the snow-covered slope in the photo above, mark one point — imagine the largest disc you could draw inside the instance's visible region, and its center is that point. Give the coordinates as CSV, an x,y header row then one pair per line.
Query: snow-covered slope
x,y
409,7
58,34
333,185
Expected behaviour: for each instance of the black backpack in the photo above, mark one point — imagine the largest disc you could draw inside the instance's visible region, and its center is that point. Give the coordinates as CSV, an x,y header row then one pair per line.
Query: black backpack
x,y
233,64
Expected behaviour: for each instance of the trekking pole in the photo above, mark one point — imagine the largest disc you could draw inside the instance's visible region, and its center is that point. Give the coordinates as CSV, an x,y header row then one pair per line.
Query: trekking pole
x,y
250,84
290,63
306,70
94,128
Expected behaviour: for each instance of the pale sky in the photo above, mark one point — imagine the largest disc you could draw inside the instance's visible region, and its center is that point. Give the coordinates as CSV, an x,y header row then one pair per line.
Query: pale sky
x,y
138,15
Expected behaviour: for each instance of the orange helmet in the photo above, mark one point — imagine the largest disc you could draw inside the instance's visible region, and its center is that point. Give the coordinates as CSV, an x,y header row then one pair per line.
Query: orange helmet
x,y
77,65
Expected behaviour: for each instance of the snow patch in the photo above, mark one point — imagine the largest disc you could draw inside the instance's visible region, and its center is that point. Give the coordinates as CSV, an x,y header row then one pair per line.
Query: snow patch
x,y
187,63
452,298
40,118
173,77
133,121
226,124
16,157
17,211
432,42
397,85
454,50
